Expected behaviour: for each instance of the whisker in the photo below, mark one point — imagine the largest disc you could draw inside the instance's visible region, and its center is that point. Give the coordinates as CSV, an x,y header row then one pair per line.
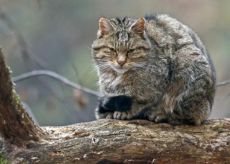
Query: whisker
x,y
90,48
139,64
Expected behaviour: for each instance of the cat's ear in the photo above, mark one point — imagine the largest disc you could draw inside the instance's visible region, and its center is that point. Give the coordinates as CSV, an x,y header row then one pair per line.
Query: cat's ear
x,y
105,27
138,26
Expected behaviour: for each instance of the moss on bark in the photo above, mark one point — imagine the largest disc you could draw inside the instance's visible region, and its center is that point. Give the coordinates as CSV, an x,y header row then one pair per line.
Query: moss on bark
x,y
3,160
15,124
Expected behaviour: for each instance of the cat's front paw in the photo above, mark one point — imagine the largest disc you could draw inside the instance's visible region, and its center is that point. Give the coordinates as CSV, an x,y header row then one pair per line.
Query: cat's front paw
x,y
114,107
100,114
122,115
158,117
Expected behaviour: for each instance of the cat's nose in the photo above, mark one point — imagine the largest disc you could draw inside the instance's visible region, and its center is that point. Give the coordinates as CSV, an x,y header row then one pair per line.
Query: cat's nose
x,y
121,60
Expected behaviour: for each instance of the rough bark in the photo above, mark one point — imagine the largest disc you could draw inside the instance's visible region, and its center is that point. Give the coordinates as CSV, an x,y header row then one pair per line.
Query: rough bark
x,y
105,141
136,141
15,124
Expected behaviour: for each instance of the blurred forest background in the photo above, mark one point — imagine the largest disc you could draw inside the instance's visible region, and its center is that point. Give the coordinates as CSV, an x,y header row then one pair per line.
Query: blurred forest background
x,y
57,35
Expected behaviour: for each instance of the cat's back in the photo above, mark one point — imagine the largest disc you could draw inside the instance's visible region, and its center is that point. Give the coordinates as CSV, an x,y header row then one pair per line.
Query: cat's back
x,y
172,37
182,46
165,30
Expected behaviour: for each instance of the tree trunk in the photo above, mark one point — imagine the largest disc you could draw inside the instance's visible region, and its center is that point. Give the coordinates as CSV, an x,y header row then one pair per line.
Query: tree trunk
x,y
105,141
15,124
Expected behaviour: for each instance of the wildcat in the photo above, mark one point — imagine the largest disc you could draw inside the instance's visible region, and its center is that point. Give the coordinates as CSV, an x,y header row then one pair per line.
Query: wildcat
x,y
157,64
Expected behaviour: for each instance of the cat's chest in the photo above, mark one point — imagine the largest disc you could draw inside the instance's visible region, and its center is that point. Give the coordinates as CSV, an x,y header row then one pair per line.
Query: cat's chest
x,y
119,84
115,82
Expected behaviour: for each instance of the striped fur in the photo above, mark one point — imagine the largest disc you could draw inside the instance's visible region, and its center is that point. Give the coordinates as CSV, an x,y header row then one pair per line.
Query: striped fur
x,y
166,69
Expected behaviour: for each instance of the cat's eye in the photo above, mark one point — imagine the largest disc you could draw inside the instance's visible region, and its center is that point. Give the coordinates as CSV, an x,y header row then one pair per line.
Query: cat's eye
x,y
137,49
130,51
142,48
111,49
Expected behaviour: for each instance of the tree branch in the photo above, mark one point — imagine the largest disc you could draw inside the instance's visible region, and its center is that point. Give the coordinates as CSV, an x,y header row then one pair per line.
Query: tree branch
x,y
26,54
223,83
131,142
54,76
69,83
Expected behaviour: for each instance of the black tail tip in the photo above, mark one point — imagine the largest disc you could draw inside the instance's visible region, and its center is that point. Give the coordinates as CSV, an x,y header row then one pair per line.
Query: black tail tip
x,y
115,103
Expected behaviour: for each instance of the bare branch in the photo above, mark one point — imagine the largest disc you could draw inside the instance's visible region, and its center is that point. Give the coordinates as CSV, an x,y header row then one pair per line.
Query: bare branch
x,y
71,84
223,83
56,76
26,54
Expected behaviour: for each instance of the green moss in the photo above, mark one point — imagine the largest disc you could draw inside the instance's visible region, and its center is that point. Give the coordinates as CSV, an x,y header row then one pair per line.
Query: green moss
x,y
3,160
16,98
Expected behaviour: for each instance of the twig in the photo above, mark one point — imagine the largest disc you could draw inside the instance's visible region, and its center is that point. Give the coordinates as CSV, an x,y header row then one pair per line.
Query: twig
x,y
56,76
69,83
26,54
223,83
